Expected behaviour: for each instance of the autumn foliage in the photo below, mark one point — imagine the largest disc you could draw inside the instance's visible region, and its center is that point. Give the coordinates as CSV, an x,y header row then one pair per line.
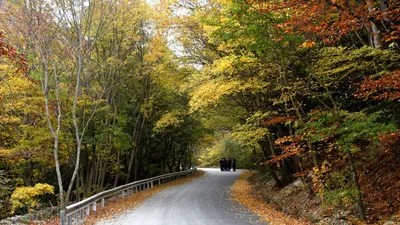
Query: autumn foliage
x,y
335,21
298,89
276,120
325,103
28,196
91,97
10,52
384,88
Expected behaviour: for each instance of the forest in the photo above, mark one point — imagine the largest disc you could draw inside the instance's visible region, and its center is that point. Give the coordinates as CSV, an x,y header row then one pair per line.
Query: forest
x,y
99,93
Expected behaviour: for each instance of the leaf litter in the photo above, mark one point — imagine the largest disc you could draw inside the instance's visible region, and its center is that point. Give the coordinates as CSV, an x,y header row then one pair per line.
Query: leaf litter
x,y
242,192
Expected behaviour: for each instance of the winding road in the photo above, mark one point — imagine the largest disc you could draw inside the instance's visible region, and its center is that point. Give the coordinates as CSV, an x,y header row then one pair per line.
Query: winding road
x,y
203,201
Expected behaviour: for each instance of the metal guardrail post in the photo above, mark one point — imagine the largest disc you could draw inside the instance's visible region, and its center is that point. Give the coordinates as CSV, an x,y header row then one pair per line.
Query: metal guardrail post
x,y
62,217
94,206
102,202
76,217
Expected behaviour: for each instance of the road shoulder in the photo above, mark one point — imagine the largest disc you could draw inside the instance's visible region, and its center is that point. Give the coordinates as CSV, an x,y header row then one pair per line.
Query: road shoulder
x,y
242,192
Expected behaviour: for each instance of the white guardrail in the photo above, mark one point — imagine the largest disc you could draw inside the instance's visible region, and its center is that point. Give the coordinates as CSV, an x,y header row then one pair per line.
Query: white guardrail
x,y
77,212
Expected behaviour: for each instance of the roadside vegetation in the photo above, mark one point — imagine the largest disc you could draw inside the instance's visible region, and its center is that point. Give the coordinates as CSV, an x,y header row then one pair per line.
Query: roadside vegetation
x,y
95,94
91,97
307,91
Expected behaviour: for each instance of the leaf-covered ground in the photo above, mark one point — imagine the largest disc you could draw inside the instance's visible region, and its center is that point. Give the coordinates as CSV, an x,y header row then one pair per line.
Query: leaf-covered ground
x,y
114,208
243,193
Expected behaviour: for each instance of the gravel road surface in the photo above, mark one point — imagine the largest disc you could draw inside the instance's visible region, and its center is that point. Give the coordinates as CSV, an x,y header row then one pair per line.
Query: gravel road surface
x,y
203,201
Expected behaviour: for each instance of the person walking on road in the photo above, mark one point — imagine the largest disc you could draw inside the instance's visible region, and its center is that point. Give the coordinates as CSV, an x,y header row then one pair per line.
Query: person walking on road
x,y
222,164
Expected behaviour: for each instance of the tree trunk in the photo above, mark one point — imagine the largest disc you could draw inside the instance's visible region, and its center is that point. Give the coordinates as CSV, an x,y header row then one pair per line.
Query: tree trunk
x,y
78,136
54,132
77,192
354,177
28,172
97,173
285,180
102,175
133,153
136,165
92,167
118,164
375,34
269,167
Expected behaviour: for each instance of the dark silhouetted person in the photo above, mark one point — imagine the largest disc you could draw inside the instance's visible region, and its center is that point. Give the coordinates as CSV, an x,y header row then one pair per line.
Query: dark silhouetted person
x,y
222,164
234,163
229,165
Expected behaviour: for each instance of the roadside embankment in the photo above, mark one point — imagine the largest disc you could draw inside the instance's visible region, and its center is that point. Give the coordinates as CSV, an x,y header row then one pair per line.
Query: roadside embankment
x,y
243,192
292,204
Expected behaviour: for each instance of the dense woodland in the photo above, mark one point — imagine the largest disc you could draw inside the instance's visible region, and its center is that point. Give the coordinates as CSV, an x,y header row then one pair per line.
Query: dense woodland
x,y
98,93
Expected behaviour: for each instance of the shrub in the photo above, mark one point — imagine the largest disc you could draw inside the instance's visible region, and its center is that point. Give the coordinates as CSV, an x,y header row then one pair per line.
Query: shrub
x,y
27,197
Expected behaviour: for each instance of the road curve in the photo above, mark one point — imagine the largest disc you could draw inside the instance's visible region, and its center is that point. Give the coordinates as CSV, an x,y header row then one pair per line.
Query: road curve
x,y
203,201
